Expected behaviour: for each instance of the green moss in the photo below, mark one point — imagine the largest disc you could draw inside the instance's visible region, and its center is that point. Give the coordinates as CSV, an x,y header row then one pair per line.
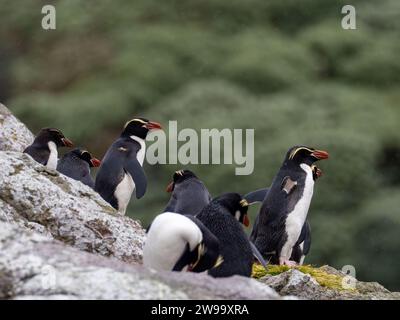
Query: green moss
x,y
325,279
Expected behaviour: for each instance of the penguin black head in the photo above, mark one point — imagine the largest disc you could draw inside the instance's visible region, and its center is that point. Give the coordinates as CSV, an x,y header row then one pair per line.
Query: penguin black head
x,y
236,205
47,135
303,154
86,156
139,127
178,177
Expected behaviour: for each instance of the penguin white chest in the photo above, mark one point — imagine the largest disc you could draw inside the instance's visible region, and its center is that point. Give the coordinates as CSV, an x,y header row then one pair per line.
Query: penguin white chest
x,y
125,188
296,218
123,192
167,239
53,157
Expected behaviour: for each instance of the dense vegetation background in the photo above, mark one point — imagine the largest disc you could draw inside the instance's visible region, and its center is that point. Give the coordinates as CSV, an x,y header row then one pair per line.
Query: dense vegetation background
x,y
283,67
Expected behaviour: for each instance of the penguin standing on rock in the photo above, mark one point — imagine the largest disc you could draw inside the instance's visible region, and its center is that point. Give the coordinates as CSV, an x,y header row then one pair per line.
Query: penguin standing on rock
x,y
177,242
188,194
284,210
44,148
303,244
76,164
121,170
223,217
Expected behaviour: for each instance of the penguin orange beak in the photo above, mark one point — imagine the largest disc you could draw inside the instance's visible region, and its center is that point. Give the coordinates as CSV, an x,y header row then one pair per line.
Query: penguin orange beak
x,y
95,162
246,220
320,154
170,187
67,142
151,125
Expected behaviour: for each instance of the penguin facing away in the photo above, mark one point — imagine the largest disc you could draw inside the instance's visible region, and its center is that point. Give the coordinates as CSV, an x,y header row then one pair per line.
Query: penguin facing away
x,y
189,195
285,207
44,148
223,216
121,170
76,164
303,244
177,242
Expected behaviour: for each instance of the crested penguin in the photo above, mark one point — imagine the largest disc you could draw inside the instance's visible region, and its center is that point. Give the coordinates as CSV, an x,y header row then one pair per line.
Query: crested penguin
x,y
177,242
284,210
44,148
121,170
189,195
76,164
303,244
223,216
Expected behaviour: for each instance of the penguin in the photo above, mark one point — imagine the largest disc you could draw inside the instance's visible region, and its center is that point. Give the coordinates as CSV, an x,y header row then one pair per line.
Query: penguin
x,y
177,242
285,207
223,216
44,148
303,244
121,170
76,164
189,195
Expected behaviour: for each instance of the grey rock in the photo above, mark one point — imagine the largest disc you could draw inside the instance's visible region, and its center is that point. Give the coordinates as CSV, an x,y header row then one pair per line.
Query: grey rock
x,y
304,286
14,135
65,209
33,266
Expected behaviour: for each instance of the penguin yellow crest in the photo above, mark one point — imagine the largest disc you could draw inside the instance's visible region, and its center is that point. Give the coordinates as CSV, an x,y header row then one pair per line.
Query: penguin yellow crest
x,y
219,261
200,252
294,152
179,172
134,120
244,203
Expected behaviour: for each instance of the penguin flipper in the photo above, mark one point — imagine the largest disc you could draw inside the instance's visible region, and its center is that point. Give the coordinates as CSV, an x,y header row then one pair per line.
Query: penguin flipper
x,y
256,196
133,167
288,184
258,255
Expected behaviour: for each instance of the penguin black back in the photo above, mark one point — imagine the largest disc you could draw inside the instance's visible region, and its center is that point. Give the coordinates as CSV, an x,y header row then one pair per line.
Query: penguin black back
x,y
223,217
76,164
188,193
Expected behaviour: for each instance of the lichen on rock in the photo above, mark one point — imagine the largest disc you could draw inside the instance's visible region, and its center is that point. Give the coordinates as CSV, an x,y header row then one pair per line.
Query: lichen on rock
x,y
14,135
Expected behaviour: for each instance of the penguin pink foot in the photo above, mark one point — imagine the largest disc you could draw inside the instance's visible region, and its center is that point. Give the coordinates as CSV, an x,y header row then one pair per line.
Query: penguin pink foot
x,y
284,262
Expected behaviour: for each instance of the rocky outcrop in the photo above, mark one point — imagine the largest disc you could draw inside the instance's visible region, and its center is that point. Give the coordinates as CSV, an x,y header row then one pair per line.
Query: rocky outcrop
x,y
305,286
65,209
33,266
14,135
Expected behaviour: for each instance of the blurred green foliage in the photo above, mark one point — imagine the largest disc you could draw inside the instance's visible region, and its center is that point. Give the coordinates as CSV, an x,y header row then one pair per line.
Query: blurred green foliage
x,y
283,67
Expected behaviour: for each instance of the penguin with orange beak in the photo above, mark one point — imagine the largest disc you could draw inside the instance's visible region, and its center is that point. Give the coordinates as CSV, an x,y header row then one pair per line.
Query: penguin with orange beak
x,y
303,244
76,164
121,170
44,148
283,213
